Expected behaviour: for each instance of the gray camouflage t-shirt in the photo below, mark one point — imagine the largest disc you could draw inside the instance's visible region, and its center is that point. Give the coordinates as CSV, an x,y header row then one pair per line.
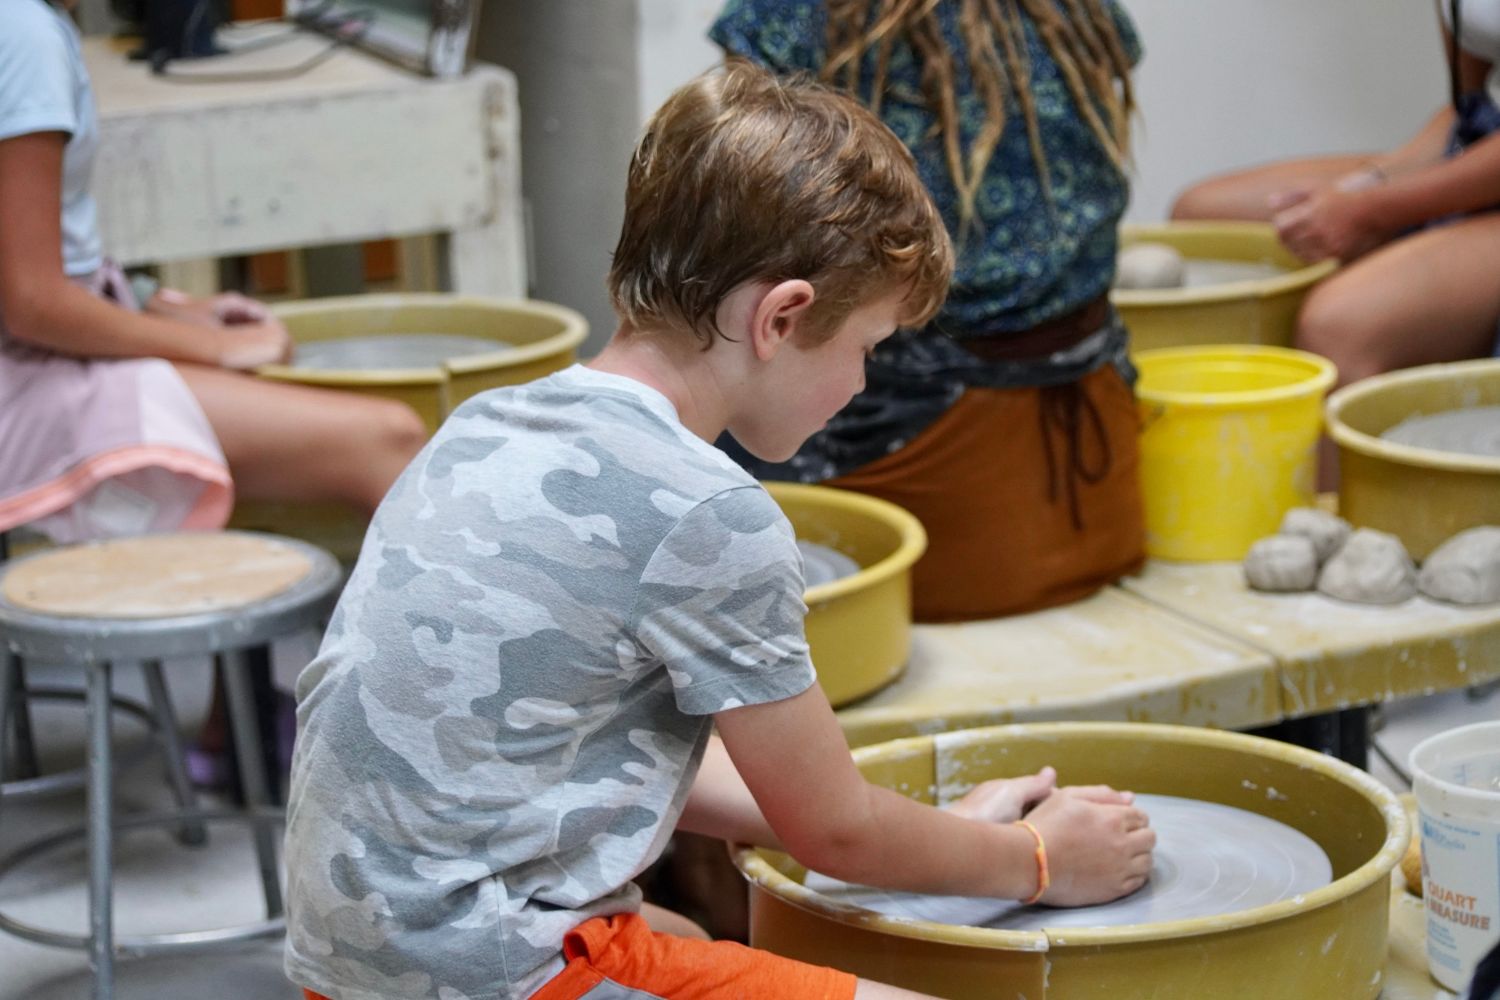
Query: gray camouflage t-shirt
x,y
500,729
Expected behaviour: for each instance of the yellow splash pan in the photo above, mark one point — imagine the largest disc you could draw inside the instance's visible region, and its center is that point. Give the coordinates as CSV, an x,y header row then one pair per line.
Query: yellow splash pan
x,y
859,627
1327,943
532,339
1422,496
1262,311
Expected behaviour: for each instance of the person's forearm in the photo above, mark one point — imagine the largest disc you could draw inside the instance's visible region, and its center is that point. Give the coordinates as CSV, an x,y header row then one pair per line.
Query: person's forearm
x,y
67,318
1421,150
1464,183
904,845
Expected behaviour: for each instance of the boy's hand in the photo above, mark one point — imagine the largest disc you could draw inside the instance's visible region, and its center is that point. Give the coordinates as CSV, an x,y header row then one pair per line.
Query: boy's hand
x,y
1098,845
1005,800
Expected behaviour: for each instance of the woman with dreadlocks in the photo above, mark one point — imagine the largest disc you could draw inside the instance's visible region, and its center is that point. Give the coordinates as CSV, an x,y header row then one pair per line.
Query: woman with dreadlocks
x,y
1008,425
1417,226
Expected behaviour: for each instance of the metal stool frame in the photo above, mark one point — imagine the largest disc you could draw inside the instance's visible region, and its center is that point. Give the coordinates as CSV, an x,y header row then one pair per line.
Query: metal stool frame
x,y
232,635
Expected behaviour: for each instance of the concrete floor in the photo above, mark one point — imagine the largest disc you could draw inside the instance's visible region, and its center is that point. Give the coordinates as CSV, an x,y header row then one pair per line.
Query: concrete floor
x,y
163,886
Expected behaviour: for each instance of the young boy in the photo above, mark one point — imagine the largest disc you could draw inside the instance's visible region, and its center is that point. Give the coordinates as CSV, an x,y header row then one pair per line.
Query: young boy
x,y
570,587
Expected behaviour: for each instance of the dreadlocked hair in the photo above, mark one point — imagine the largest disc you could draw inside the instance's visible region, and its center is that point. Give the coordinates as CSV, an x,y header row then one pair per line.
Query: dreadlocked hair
x,y
1080,35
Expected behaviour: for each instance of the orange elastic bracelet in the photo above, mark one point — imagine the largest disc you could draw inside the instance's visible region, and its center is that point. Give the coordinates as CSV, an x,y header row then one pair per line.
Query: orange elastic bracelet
x,y
1043,873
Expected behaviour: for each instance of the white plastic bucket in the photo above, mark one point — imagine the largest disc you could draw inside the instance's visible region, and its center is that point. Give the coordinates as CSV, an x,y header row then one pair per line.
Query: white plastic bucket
x,y
1457,780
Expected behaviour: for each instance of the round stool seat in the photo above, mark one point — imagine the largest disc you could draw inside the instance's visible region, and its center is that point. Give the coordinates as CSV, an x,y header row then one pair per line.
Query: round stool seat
x,y
162,596
146,599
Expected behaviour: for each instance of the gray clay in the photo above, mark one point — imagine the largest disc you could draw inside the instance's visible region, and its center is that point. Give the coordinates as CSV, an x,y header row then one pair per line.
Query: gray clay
x,y
1282,563
1465,569
1328,532
1472,431
821,564
1371,568
1150,265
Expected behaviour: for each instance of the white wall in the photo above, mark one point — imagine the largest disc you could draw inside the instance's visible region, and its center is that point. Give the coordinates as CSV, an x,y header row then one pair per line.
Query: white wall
x,y
1225,83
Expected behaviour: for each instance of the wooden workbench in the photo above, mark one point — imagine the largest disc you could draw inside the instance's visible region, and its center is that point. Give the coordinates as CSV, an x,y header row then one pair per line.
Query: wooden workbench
x,y
1332,655
1181,643
1113,656
354,149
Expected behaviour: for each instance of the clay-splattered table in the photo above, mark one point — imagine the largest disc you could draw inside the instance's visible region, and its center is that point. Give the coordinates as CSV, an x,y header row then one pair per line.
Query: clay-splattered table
x,y
1113,656
1331,655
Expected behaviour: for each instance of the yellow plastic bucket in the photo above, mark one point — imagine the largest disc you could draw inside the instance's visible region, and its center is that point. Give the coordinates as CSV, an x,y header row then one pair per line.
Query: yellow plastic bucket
x,y
1228,444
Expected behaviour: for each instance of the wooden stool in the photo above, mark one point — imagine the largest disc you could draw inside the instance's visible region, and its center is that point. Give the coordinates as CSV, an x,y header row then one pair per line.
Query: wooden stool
x,y
228,595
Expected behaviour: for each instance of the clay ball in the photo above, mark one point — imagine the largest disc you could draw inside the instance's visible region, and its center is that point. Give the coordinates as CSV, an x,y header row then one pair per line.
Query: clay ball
x,y
1371,568
1150,265
1328,532
1282,563
1465,569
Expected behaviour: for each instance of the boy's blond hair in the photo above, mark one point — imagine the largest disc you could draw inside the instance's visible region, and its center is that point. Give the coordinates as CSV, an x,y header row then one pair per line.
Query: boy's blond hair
x,y
742,176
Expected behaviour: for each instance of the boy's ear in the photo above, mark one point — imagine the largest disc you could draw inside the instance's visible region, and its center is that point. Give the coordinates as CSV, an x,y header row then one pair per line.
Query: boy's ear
x,y
778,314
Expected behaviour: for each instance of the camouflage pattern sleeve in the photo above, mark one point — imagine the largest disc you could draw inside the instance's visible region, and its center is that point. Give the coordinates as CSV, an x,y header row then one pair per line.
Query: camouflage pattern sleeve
x,y
721,605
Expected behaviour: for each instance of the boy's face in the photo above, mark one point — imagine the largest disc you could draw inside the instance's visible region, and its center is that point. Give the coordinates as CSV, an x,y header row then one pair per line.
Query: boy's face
x,y
806,385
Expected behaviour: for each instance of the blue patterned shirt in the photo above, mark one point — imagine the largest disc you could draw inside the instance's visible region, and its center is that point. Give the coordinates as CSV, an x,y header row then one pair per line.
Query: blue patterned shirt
x,y
1022,261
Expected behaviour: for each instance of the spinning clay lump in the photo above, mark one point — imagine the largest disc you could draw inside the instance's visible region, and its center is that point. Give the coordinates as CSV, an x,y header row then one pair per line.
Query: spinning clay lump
x,y
1465,569
1150,265
1371,568
1282,563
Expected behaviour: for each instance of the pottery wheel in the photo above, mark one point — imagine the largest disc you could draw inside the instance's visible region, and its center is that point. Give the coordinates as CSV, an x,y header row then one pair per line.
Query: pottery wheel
x,y
820,564
383,352
1210,859
1471,431
156,576
1204,272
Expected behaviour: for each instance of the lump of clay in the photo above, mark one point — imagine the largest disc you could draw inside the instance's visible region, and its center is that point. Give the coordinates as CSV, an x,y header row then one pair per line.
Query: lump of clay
x,y
1371,568
1150,265
1282,563
1328,532
1465,569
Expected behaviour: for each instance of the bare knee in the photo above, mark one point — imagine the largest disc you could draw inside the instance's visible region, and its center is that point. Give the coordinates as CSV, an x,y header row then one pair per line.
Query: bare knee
x,y
1331,326
1215,198
1198,202
386,437
398,431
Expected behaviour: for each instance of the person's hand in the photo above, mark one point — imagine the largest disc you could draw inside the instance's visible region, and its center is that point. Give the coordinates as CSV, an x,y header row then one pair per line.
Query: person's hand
x,y
224,309
234,309
246,345
1098,844
1329,223
1007,799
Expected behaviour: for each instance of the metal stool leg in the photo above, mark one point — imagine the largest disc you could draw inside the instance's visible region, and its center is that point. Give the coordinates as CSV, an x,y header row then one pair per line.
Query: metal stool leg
x,y
7,689
26,759
170,739
100,834
245,724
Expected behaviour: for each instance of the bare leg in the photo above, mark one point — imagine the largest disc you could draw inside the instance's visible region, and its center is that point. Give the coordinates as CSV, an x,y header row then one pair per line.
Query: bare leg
x,y
1426,298
867,990
290,442
1245,194
665,921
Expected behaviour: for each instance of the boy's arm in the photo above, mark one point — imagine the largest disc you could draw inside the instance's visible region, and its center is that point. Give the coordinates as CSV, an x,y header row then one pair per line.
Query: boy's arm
x,y
720,805
794,762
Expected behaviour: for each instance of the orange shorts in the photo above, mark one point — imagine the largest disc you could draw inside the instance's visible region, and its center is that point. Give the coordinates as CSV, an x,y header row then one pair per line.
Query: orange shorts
x,y
625,952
